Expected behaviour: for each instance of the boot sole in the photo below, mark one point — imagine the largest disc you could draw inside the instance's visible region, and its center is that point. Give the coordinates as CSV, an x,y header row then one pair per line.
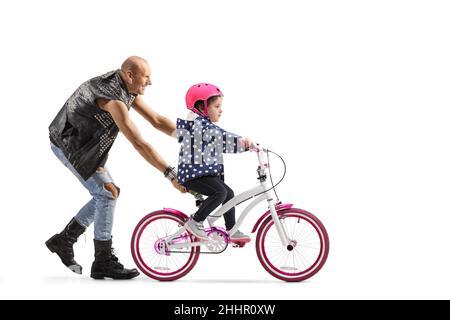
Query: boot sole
x,y
102,276
76,268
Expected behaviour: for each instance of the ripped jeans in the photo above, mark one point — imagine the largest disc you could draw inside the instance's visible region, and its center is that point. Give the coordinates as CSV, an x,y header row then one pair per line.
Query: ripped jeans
x,y
100,209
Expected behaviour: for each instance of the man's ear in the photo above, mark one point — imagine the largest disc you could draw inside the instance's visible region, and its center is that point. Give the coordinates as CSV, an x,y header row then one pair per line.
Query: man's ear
x,y
130,76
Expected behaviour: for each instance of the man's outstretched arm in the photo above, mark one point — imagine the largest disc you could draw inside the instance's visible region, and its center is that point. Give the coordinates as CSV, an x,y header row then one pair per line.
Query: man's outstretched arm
x,y
119,113
158,121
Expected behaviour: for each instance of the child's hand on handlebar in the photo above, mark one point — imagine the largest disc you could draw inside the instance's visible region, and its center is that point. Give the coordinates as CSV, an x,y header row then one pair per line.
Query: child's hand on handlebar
x,y
246,142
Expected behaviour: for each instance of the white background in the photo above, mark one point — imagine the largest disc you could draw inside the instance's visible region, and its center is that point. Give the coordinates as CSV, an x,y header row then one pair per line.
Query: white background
x,y
353,94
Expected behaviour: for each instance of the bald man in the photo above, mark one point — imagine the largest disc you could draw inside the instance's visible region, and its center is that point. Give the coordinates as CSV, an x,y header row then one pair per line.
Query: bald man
x,y
81,136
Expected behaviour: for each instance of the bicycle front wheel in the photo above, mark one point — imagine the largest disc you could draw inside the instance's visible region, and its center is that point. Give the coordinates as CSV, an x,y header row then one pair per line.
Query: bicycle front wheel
x,y
306,251
150,251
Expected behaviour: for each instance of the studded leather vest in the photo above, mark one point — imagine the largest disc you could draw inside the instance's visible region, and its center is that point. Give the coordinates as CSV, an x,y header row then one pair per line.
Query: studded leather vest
x,y
83,131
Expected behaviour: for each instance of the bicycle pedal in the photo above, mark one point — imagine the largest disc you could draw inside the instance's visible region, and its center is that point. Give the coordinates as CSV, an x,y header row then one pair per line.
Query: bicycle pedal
x,y
239,244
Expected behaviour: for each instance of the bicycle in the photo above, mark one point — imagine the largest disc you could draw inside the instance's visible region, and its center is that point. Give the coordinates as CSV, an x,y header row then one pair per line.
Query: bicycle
x,y
291,244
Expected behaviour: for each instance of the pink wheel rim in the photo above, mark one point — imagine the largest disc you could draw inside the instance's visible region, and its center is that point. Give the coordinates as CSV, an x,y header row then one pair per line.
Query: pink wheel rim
x,y
142,264
314,267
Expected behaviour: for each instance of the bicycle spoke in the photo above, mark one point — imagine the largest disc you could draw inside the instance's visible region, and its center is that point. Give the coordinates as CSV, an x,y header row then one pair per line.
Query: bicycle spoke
x,y
164,264
304,255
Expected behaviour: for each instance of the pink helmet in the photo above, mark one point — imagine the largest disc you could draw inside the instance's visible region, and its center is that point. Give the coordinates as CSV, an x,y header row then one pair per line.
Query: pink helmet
x,y
202,92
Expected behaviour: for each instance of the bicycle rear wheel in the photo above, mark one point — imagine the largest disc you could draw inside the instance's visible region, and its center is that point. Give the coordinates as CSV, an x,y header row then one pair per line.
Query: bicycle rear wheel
x,y
307,250
150,252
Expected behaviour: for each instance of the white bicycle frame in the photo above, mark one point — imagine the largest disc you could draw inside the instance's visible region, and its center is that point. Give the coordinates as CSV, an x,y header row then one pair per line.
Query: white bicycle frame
x,y
266,193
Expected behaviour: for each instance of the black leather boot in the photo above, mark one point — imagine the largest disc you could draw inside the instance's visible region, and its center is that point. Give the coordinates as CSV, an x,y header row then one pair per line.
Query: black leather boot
x,y
107,265
62,244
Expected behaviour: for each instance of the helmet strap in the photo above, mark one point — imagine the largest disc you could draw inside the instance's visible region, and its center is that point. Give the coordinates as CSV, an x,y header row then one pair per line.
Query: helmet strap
x,y
205,110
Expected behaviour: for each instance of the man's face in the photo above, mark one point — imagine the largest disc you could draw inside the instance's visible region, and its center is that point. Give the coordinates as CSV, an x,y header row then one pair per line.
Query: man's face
x,y
140,79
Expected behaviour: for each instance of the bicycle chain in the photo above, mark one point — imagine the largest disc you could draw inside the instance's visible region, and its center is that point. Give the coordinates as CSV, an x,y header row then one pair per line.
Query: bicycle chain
x,y
204,252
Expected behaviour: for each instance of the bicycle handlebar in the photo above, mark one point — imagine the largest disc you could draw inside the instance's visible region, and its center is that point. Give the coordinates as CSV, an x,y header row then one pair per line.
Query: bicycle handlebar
x,y
256,147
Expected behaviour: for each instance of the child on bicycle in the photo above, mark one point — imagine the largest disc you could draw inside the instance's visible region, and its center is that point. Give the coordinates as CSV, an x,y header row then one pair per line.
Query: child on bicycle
x,y
200,166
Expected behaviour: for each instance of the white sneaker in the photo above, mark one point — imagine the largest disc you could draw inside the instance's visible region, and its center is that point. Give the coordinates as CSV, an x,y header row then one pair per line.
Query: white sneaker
x,y
239,236
196,228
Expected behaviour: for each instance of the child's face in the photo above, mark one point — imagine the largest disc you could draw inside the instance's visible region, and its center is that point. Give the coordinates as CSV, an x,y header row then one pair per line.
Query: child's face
x,y
215,109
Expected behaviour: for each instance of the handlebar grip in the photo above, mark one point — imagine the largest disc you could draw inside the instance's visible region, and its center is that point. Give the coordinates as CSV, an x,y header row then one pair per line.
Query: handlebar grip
x,y
257,147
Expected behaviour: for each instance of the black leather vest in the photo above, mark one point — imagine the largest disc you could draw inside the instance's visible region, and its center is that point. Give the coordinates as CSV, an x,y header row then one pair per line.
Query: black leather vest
x,y
83,131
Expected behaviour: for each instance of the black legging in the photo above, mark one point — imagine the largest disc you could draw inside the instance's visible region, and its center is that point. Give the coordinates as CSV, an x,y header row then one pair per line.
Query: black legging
x,y
218,193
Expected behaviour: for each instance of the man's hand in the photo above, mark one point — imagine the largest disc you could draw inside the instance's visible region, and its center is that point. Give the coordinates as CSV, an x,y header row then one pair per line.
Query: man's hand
x,y
112,188
171,174
178,186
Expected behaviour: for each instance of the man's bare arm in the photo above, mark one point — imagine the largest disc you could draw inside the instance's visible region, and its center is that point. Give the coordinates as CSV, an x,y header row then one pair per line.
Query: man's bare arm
x,y
119,113
158,121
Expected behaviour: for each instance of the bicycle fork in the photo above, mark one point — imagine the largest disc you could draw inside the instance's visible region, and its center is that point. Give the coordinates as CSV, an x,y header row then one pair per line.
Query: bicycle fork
x,y
278,225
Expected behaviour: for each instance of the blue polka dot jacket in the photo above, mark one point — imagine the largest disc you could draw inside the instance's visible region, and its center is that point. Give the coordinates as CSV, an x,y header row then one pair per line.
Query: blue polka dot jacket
x,y
202,146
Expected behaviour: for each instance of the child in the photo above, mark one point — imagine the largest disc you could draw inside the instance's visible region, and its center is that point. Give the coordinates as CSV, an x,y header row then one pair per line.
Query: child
x,y
200,166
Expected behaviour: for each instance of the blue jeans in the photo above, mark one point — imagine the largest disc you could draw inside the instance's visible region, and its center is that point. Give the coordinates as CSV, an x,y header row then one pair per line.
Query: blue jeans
x,y
100,209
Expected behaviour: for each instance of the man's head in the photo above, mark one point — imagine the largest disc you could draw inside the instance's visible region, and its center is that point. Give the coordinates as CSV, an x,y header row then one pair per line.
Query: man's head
x,y
135,72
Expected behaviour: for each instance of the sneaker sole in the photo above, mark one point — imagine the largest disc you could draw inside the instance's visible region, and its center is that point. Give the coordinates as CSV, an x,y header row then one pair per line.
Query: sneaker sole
x,y
245,240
